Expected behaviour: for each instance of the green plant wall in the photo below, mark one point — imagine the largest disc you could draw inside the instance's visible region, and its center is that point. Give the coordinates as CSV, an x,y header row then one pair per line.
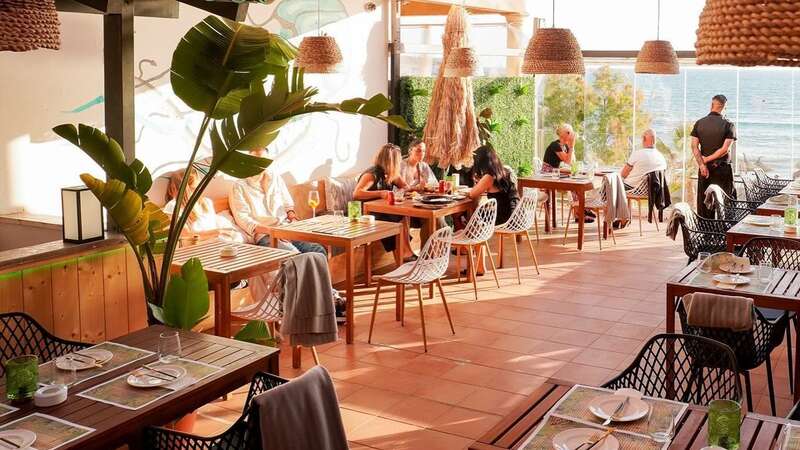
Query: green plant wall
x,y
511,101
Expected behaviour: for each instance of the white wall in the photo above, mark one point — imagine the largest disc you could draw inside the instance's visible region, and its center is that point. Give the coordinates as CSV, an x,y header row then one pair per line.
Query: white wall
x,y
40,88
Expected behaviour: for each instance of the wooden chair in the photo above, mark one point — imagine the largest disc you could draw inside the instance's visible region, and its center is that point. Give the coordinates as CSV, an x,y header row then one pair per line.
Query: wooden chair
x,y
429,268
518,224
639,194
476,234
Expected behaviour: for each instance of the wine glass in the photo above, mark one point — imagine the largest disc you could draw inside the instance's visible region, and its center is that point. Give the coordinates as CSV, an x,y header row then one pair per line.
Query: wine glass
x,y
313,201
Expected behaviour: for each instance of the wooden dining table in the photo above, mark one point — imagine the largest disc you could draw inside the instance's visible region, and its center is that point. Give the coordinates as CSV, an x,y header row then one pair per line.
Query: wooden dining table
x,y
577,185
115,426
782,292
430,216
770,209
742,232
757,432
338,232
250,260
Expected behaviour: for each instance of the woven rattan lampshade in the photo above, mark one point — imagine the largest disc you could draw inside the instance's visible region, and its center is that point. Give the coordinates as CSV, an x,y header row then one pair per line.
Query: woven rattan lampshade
x,y
28,25
553,51
462,62
749,33
319,54
657,57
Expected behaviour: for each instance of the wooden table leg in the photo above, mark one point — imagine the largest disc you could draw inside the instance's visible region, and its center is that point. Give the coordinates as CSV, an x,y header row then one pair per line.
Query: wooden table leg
x,y
297,356
399,292
552,209
581,214
367,264
427,230
670,354
350,262
670,312
729,243
222,307
796,363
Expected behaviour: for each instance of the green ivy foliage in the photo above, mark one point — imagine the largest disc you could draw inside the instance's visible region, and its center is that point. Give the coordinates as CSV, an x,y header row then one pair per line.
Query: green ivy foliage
x,y
511,101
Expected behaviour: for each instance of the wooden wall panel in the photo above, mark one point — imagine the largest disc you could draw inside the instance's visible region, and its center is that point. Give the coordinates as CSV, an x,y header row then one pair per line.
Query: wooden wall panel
x,y
115,293
92,307
37,295
66,299
137,306
11,292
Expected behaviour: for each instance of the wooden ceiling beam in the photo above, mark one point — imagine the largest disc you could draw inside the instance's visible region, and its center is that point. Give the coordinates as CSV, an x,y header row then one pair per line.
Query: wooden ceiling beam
x,y
166,9
225,8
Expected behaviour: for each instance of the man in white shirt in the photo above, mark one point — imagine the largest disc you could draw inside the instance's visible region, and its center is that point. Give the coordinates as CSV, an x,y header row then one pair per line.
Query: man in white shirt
x,y
643,161
262,201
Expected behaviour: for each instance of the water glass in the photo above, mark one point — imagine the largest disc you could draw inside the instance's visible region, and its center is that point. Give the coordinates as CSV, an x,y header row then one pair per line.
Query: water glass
x,y
777,223
764,272
338,216
724,417
789,438
399,195
22,377
169,347
52,375
702,258
353,210
660,426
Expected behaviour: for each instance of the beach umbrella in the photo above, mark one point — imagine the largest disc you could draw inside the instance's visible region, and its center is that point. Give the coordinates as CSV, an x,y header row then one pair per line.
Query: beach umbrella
x,y
451,131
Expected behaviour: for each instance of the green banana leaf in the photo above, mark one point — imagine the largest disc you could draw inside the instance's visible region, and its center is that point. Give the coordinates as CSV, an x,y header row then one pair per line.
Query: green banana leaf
x,y
217,60
124,205
186,299
256,332
107,153
375,106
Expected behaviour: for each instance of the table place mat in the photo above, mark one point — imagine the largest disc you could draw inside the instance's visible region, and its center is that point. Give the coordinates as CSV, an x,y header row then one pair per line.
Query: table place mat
x,y
123,355
575,404
7,409
542,437
51,432
119,393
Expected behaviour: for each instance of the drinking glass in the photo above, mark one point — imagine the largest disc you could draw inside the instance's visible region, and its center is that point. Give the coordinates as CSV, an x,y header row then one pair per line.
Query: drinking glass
x,y
22,377
353,210
313,201
399,195
777,223
789,438
702,257
724,417
660,426
764,272
50,374
169,347
338,216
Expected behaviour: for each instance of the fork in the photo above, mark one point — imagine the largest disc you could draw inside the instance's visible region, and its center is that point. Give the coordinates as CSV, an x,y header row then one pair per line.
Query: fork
x,y
6,441
618,410
592,443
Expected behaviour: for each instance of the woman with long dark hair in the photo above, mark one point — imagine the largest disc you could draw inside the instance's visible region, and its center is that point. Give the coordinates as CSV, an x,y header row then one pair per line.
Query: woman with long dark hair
x,y
494,180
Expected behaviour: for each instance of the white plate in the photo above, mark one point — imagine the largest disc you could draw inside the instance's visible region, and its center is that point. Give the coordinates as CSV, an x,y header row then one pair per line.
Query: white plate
x,y
729,268
84,359
731,279
145,378
761,221
572,439
604,406
23,438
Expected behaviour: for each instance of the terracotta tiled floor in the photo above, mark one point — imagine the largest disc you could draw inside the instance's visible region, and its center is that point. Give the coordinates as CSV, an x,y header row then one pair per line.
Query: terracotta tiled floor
x,y
583,319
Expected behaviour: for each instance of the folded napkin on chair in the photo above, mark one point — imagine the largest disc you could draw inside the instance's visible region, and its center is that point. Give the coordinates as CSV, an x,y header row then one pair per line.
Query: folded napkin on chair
x,y
719,311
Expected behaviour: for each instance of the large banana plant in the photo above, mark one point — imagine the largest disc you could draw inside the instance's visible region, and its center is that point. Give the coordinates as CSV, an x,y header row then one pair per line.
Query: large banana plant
x,y
220,68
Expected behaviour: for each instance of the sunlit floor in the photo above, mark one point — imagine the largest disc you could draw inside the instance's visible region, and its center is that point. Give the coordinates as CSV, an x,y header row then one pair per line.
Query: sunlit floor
x,y
582,320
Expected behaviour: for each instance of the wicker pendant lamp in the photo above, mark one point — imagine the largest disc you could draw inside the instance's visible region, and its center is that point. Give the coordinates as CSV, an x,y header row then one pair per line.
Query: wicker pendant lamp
x,y
461,62
749,33
657,56
553,51
27,25
319,54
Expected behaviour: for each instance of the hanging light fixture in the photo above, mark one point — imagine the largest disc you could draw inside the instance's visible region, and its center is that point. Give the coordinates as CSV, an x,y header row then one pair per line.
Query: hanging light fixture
x,y
462,62
27,25
319,54
657,56
749,33
553,51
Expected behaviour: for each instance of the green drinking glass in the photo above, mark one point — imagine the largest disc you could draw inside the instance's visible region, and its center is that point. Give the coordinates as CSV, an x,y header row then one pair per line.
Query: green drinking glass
x,y
22,377
354,210
724,418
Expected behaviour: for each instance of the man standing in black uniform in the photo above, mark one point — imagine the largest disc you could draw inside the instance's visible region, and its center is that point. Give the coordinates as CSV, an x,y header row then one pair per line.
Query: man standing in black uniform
x,y
712,137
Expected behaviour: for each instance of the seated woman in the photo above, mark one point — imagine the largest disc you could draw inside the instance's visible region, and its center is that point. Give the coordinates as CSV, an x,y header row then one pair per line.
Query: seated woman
x,y
494,180
377,182
414,170
562,150
203,222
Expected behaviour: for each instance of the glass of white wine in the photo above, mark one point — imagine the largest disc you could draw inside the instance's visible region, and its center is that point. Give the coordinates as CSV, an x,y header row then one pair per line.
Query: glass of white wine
x,y
313,201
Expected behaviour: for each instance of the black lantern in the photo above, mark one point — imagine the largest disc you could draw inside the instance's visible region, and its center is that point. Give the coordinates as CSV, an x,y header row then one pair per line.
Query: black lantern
x,y
82,215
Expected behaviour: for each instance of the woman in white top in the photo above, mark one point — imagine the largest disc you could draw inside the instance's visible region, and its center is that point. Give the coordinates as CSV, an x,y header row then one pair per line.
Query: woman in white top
x,y
414,170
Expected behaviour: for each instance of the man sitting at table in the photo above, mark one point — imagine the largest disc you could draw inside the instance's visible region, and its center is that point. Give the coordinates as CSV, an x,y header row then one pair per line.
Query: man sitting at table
x,y
643,161
262,201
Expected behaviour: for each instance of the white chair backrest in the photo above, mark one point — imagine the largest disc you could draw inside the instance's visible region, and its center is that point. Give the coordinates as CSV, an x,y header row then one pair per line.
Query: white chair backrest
x,y
523,216
643,189
434,258
270,307
481,225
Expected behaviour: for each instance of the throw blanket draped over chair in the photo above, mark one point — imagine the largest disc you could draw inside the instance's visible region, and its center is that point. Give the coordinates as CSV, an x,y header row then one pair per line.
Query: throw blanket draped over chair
x,y
714,198
616,199
302,414
309,316
679,213
719,311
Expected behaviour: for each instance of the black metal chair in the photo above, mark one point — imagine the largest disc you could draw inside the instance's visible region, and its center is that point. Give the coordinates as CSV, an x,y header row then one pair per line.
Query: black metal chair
x,y
21,334
703,235
734,210
768,182
784,254
752,348
686,368
757,191
243,434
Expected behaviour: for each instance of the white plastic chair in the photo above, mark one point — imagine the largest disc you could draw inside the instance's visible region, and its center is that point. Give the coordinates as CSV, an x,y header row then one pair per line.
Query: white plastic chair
x,y
520,221
639,194
477,233
427,269
597,204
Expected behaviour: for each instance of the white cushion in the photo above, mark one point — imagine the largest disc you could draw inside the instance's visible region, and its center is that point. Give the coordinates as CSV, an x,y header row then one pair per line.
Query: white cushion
x,y
339,191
